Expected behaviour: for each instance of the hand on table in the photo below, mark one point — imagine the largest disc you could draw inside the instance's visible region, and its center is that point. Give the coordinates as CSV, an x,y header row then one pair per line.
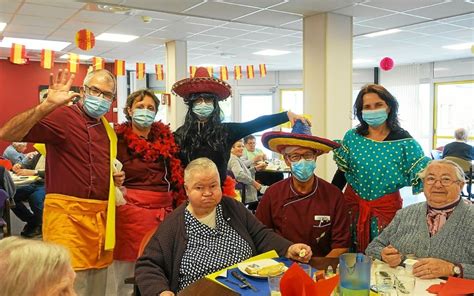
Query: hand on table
x,y
16,167
261,166
119,178
430,268
299,252
391,256
25,172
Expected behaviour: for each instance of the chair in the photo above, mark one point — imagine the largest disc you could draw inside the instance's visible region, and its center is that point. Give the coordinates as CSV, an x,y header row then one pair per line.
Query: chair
x,y
466,166
146,238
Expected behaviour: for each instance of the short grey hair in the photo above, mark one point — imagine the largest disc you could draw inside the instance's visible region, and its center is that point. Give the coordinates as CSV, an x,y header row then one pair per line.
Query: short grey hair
x,y
461,134
42,264
105,72
459,172
199,164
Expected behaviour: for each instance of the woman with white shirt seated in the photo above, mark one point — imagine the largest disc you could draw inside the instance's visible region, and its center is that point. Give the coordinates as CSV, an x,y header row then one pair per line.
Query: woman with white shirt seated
x,y
244,174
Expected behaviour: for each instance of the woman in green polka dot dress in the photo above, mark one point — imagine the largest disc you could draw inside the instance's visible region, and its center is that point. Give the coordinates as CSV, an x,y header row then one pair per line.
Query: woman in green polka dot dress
x,y
377,158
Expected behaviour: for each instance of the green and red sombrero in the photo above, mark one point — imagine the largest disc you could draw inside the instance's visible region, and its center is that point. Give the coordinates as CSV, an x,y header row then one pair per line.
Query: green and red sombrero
x,y
202,82
300,136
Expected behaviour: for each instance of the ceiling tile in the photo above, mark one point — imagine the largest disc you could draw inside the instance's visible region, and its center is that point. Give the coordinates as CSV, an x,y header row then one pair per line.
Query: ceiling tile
x,y
23,35
363,12
137,22
467,23
74,26
392,21
224,11
58,3
99,17
360,30
206,38
46,11
402,5
278,31
29,29
233,43
9,6
257,36
5,17
269,18
259,3
311,7
436,28
29,20
467,16
239,26
169,34
226,32
195,44
444,10
204,21
189,27
298,25
466,35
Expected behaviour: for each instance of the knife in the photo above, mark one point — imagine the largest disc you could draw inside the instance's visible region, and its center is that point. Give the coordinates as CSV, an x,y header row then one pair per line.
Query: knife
x,y
242,279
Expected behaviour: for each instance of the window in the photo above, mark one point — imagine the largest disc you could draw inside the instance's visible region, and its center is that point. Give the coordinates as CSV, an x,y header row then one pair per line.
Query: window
x,y
253,106
226,108
291,100
454,105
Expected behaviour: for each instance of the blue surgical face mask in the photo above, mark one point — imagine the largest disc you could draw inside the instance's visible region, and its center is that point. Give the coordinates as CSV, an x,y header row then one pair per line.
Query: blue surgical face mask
x,y
375,117
96,106
143,117
303,169
203,110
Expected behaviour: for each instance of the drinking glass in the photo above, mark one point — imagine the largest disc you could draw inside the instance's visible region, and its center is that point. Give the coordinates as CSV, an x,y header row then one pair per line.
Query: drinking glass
x,y
274,284
405,285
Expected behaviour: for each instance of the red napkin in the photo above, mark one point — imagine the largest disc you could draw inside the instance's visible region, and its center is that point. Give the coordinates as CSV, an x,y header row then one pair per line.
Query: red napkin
x,y
453,287
296,282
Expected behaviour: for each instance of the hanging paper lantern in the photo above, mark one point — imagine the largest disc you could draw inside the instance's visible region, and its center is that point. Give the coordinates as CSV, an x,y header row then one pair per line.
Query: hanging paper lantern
x,y
85,39
386,64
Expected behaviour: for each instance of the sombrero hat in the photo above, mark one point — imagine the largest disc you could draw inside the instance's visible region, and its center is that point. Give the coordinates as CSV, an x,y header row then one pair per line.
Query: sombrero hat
x,y
300,136
202,82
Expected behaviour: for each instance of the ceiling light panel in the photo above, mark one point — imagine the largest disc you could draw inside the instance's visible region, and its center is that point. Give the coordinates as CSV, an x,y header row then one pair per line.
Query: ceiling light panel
x,y
35,44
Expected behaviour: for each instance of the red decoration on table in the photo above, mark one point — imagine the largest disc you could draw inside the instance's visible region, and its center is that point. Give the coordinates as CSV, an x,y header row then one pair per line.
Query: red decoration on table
x,y
386,64
85,39
453,287
296,282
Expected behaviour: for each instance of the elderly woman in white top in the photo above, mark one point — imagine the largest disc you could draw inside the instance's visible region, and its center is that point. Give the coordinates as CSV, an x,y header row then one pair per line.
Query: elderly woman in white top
x,y
439,231
206,234
244,174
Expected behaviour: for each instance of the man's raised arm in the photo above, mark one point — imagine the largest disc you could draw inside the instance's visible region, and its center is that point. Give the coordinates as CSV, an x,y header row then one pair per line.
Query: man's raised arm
x,y
58,95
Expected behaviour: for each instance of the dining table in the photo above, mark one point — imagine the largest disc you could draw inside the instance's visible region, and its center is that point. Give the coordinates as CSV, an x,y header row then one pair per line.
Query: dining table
x,y
208,287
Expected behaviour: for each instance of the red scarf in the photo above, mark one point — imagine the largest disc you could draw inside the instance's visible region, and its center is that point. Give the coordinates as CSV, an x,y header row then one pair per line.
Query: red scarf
x,y
159,146
383,208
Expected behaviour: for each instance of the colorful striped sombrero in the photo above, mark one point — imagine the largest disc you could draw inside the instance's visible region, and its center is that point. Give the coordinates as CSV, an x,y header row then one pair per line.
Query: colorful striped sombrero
x,y
300,136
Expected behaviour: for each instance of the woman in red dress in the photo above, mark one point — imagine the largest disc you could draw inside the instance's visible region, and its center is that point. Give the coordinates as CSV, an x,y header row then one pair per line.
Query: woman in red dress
x,y
153,182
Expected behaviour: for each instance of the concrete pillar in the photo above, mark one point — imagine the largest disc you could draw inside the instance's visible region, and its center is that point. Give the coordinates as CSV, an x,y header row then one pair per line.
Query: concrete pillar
x,y
327,79
176,69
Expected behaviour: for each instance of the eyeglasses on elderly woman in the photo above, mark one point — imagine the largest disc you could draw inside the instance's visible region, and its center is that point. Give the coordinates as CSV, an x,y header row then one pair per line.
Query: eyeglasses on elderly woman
x,y
445,181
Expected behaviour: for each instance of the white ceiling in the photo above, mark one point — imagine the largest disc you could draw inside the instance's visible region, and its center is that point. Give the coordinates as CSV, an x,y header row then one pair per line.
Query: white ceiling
x,y
227,32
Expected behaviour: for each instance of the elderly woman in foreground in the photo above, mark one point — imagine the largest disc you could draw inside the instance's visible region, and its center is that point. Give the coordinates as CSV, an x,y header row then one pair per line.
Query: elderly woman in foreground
x,y
32,267
439,231
204,235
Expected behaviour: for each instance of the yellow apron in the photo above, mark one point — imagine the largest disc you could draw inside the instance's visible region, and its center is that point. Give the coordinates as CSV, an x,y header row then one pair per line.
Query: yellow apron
x,y
80,224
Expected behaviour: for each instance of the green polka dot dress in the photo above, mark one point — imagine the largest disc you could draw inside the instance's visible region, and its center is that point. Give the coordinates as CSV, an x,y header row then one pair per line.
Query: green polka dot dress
x,y
374,169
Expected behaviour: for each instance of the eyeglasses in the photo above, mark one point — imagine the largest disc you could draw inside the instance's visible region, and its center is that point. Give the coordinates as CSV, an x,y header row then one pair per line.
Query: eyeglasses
x,y
306,156
92,90
445,181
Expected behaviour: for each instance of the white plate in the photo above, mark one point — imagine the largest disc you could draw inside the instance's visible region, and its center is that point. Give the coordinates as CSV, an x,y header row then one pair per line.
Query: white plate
x,y
259,264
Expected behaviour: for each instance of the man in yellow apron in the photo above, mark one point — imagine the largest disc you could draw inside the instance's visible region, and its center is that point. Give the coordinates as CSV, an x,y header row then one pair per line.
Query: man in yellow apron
x,y
79,210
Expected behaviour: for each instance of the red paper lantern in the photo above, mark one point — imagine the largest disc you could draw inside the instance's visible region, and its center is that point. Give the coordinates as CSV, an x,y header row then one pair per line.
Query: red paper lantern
x,y
85,39
386,64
